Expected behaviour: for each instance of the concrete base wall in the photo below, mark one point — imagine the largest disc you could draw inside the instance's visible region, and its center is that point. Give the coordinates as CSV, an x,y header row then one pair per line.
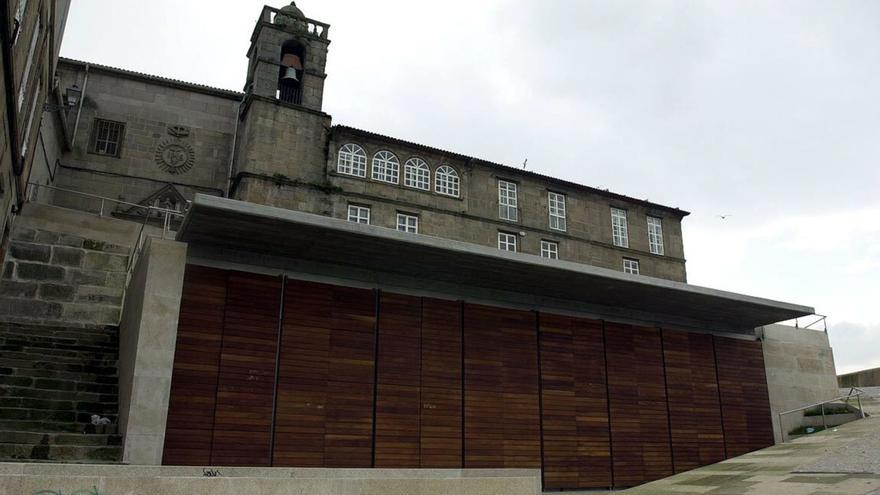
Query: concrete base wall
x,y
147,339
800,371
864,378
68,478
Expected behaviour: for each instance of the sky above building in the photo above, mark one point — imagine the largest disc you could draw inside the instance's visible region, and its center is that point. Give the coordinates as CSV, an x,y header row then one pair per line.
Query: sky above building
x,y
760,117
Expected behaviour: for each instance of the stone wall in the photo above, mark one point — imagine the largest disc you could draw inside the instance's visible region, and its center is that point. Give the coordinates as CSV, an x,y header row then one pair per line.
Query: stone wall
x,y
147,338
864,378
800,371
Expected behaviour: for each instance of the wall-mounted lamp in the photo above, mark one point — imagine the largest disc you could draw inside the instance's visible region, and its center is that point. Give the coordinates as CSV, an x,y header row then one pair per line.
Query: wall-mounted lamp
x,y
71,99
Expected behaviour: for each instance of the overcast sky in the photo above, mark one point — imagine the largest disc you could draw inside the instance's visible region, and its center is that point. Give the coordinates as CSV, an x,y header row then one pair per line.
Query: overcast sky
x,y
766,111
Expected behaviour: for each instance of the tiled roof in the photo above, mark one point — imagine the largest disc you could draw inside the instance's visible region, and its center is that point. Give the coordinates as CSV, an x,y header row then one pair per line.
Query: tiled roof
x,y
514,170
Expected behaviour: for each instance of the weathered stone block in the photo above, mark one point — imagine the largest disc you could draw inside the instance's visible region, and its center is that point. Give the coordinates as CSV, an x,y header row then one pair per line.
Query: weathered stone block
x,y
8,269
56,292
70,240
67,256
18,289
30,252
84,277
92,313
30,308
33,271
23,234
104,261
99,295
116,280
46,237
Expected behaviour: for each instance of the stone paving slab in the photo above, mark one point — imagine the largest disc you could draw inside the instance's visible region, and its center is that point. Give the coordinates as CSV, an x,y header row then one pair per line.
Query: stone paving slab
x,y
841,461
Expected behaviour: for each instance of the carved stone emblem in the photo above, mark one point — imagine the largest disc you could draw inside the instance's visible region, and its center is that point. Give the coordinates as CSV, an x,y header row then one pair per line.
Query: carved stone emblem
x,y
174,155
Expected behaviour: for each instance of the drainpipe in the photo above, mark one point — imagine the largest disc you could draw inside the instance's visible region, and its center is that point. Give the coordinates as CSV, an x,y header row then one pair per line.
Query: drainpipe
x,y
232,152
82,98
9,83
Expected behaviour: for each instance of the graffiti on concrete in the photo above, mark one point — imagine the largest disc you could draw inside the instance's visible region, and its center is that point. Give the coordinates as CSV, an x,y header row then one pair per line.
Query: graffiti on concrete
x,y
210,473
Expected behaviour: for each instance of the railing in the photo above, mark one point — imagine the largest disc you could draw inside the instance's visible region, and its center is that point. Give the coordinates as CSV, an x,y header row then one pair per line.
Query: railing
x,y
164,214
315,28
853,392
819,318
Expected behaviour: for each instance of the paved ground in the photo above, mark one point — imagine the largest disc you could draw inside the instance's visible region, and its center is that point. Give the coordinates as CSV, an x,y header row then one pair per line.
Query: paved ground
x,y
841,461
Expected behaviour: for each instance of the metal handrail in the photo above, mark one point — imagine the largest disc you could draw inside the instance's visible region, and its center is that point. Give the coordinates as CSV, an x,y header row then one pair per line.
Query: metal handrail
x,y
35,188
853,392
821,318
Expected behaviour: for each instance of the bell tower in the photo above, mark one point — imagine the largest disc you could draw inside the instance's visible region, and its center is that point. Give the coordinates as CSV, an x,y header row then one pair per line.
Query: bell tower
x,y
288,55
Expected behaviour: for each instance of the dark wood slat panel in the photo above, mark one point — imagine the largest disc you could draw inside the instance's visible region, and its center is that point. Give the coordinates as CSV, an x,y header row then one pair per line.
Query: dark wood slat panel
x,y
398,396
502,417
301,407
745,405
246,387
637,400
440,429
694,409
348,441
189,434
325,392
574,401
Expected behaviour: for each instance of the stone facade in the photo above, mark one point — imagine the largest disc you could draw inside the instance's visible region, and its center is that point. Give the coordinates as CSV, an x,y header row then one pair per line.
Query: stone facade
x,y
258,147
31,40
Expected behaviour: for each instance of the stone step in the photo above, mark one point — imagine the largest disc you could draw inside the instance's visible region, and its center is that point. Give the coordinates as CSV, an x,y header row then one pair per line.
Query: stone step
x,y
62,336
44,344
65,367
58,330
38,438
34,393
56,427
29,372
54,405
24,452
58,384
39,357
83,416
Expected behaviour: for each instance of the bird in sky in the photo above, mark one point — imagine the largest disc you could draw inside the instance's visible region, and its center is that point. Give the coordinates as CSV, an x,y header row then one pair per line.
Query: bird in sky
x,y
724,217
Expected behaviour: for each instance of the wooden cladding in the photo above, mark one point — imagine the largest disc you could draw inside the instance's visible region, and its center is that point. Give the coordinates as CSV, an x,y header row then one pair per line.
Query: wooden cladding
x,y
574,403
745,404
502,427
315,375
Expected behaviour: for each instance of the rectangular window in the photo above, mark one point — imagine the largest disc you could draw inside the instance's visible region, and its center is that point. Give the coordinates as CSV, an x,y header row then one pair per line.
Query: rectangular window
x,y
655,235
408,223
619,234
359,214
30,122
107,137
507,201
23,84
556,204
631,266
550,249
506,242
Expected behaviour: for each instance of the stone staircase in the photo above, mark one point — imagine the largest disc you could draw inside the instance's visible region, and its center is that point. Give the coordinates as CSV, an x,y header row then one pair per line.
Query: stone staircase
x,y
61,294
52,380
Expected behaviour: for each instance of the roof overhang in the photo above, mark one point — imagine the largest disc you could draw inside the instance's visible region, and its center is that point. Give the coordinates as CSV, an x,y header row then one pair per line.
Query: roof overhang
x,y
250,227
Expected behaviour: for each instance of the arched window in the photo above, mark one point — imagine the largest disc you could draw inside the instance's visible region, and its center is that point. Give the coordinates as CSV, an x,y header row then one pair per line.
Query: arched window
x,y
352,161
417,174
386,167
446,181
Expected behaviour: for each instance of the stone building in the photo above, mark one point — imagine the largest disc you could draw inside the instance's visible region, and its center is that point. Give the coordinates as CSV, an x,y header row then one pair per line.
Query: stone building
x,y
145,139
31,39
210,278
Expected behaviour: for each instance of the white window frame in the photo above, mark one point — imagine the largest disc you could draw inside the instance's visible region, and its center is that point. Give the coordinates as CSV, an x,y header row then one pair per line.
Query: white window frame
x,y
550,249
408,223
359,214
508,242
351,160
417,174
386,167
655,235
507,201
447,181
619,231
30,122
23,84
631,266
556,209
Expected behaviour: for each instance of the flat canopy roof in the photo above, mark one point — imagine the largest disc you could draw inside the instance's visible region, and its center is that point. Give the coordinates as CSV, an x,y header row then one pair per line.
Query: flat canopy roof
x,y
263,229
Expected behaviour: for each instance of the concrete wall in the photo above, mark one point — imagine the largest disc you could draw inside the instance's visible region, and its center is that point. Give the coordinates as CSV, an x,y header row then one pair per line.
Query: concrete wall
x,y
147,339
70,478
800,371
864,378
